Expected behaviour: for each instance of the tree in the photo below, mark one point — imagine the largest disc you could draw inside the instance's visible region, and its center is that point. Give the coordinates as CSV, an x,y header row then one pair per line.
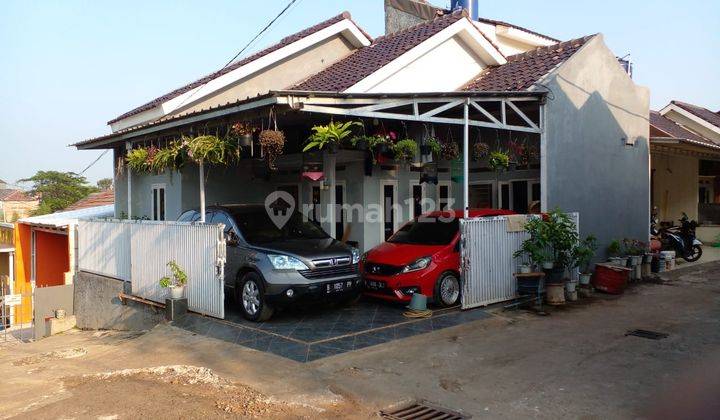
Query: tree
x,y
105,183
58,190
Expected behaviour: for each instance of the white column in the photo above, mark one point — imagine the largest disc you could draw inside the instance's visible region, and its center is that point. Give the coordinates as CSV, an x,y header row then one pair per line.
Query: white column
x,y
72,255
128,146
202,191
466,159
329,162
543,160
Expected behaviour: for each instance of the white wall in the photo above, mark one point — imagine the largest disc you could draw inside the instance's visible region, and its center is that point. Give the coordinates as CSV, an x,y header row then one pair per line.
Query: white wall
x,y
675,186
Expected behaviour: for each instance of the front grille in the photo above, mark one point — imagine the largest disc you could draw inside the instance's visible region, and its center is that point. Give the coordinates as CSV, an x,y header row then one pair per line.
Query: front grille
x,y
382,269
329,272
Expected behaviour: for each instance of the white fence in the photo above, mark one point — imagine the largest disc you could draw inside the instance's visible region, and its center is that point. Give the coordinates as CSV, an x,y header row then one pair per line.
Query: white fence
x,y
138,251
487,262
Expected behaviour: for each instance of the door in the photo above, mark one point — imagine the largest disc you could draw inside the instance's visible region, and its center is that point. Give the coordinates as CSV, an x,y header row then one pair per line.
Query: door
x,y
520,196
443,195
481,196
504,198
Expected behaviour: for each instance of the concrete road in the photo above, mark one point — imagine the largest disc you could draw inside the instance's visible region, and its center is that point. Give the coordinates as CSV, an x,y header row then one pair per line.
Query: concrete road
x,y
574,363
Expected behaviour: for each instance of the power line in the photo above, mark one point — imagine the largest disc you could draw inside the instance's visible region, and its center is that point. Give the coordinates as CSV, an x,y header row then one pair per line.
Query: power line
x,y
259,34
94,161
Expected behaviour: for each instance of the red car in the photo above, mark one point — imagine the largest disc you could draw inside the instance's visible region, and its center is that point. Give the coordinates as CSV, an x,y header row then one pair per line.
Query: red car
x,y
423,256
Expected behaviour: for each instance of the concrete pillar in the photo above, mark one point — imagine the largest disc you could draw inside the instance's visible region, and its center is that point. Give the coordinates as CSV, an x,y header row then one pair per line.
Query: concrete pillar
x,y
329,163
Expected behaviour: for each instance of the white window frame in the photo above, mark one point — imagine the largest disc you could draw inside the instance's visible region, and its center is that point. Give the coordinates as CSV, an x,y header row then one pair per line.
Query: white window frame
x,y
396,221
155,203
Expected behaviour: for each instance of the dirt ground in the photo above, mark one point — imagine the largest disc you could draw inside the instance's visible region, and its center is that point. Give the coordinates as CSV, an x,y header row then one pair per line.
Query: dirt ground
x,y
574,363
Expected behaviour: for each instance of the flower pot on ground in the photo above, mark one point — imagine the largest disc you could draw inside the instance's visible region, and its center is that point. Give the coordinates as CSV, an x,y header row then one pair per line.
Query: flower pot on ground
x,y
571,293
585,279
581,256
555,293
548,265
176,281
555,275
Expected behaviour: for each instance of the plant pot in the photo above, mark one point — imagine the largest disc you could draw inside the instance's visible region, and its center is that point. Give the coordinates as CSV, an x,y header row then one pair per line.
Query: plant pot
x,y
332,148
425,150
246,140
176,292
585,279
611,279
635,260
361,145
524,268
585,291
382,149
647,258
548,265
555,294
571,286
618,261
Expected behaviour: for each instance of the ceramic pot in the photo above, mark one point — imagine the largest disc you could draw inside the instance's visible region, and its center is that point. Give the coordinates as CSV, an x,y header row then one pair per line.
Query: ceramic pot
x,y
176,292
555,293
524,269
245,140
584,279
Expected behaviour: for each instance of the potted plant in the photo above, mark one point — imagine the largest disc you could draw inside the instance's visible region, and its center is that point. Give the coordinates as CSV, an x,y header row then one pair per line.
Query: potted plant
x,y
272,143
329,136
430,147
405,150
176,281
536,246
361,142
499,160
137,159
480,150
243,132
582,254
449,150
614,250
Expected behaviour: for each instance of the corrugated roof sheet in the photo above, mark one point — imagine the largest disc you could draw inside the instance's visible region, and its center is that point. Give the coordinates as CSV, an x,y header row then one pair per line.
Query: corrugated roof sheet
x,y
525,69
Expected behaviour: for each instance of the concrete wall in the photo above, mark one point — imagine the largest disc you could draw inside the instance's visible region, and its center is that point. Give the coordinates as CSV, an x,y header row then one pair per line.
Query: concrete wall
x,y
47,300
397,20
593,106
675,186
97,306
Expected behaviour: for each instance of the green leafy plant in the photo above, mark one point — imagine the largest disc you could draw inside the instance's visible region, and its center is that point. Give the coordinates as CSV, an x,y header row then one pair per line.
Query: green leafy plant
x,y
405,150
583,253
177,278
536,247
634,247
333,133
209,149
553,237
614,249
434,145
137,159
168,157
499,160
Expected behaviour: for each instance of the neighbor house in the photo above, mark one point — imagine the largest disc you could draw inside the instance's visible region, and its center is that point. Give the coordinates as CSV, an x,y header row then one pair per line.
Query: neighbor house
x,y
573,119
685,149
15,203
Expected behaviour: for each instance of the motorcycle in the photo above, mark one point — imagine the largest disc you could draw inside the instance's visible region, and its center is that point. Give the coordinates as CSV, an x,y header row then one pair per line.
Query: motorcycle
x,y
682,240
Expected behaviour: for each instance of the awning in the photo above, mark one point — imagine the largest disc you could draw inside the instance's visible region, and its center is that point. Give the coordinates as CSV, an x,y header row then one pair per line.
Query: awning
x,y
68,218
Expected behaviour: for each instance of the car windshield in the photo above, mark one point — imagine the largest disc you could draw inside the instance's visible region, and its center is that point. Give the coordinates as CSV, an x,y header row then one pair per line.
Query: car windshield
x,y
257,227
427,231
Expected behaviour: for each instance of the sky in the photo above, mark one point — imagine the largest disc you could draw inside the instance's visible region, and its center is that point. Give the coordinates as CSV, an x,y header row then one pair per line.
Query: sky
x,y
70,66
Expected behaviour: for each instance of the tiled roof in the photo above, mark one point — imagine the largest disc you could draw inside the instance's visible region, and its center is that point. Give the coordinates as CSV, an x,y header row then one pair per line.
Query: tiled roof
x,y
700,112
15,195
101,198
365,61
523,70
283,43
510,25
675,130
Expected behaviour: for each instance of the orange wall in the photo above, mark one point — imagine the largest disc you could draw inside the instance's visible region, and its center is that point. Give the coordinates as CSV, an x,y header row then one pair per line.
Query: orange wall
x,y
51,260
22,273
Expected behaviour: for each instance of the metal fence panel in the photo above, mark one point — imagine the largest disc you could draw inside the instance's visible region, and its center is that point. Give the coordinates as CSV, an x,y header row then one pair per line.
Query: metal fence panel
x,y
487,262
138,251
104,248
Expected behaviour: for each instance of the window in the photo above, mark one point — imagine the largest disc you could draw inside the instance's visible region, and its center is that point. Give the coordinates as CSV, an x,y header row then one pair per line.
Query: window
x,y
480,196
189,216
222,217
443,195
158,202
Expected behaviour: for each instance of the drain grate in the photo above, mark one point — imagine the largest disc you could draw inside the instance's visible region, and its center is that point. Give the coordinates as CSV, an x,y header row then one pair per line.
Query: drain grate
x,y
651,335
422,410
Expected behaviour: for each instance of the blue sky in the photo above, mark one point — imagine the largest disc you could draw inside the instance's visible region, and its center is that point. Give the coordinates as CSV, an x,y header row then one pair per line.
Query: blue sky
x,y
70,66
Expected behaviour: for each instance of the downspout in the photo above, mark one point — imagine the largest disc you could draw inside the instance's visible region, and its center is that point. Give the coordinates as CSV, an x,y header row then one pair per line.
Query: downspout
x,y
202,191
466,159
543,158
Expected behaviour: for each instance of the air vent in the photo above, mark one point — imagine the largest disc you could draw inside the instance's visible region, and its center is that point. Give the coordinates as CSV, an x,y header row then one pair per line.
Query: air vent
x,y
422,410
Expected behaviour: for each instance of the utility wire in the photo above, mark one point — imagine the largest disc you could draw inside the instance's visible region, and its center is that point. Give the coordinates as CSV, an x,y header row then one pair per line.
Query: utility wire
x,y
94,161
259,34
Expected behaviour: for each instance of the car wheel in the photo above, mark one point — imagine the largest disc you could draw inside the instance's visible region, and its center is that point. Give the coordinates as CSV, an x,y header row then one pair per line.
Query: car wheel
x,y
447,290
251,297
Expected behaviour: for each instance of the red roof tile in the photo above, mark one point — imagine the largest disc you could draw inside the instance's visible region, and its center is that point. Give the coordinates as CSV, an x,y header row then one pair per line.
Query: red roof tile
x,y
283,43
700,112
525,69
365,61
15,195
672,129
101,198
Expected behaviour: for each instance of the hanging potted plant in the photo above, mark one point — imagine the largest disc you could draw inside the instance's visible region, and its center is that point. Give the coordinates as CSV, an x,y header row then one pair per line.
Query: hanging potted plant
x,y
329,136
449,150
243,132
137,159
210,150
499,160
176,281
405,150
480,150
361,142
431,147
272,142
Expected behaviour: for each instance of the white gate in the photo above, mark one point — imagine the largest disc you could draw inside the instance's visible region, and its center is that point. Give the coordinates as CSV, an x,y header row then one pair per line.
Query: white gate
x,y
138,251
487,262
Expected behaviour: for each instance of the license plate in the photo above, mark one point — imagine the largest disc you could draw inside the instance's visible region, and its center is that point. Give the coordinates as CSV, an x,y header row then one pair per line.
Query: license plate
x,y
375,285
335,287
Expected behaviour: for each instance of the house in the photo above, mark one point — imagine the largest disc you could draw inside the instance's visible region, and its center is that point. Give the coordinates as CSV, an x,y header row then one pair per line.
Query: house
x,y
101,198
574,113
685,151
7,271
15,203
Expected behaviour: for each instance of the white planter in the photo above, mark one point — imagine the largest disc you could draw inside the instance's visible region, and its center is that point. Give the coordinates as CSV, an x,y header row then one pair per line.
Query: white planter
x,y
570,286
555,293
585,279
176,292
524,269
548,265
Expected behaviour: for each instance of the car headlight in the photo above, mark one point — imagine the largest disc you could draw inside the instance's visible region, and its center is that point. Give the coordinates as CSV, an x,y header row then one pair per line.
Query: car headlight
x,y
284,262
355,255
419,264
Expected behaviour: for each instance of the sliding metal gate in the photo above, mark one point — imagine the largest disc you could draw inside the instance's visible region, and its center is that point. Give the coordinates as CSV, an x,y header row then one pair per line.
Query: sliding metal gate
x,y
487,262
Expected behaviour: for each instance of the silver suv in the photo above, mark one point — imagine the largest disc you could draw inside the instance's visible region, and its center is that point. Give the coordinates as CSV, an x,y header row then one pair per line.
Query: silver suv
x,y
269,266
